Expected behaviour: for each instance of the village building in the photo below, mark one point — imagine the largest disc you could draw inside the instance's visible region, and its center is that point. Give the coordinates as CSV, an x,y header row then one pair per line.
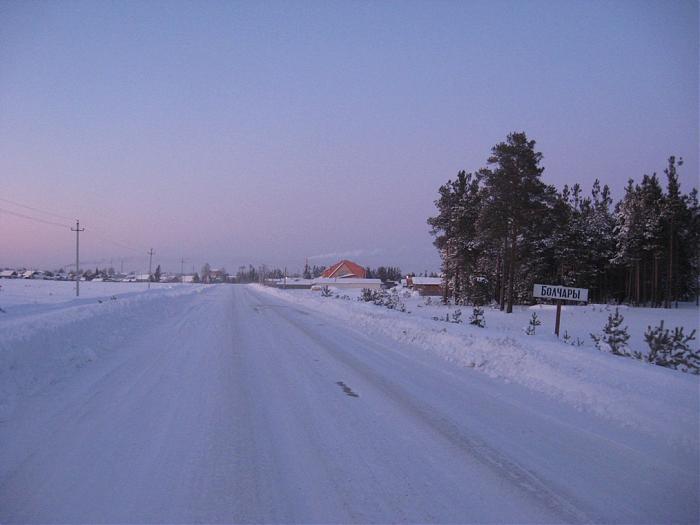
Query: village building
x,y
294,283
215,275
345,270
346,283
33,274
426,286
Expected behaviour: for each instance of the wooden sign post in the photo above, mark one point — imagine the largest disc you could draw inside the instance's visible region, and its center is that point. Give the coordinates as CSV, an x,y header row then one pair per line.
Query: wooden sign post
x,y
561,294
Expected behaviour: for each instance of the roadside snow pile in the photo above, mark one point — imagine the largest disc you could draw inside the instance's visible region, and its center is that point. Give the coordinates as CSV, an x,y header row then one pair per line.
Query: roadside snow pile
x,y
650,398
43,342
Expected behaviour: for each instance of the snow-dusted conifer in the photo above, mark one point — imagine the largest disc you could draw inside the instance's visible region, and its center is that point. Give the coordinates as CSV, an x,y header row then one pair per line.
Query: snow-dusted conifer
x,y
533,324
614,337
672,350
477,317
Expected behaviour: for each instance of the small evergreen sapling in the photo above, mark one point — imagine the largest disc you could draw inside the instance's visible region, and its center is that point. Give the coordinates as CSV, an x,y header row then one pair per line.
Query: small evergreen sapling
x,y
613,339
457,316
325,291
533,324
368,295
672,350
477,317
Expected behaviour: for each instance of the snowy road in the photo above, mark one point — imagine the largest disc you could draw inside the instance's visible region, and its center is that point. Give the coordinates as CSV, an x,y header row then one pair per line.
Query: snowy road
x,y
234,406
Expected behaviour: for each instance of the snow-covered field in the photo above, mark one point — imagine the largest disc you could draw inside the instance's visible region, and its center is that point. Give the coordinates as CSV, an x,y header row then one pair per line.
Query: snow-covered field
x,y
45,331
232,403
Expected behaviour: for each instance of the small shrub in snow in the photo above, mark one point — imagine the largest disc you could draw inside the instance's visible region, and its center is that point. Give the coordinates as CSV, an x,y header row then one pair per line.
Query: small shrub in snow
x,y
325,291
672,350
613,338
392,301
477,317
382,298
457,316
367,295
428,301
533,324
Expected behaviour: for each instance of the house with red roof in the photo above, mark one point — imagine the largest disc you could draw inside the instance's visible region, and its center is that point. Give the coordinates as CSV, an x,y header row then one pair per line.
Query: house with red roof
x,y
345,269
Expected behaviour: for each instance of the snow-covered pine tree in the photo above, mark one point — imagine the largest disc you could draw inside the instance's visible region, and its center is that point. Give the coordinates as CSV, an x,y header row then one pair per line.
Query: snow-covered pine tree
x,y
477,317
456,237
513,202
672,350
614,337
533,324
683,356
659,342
629,237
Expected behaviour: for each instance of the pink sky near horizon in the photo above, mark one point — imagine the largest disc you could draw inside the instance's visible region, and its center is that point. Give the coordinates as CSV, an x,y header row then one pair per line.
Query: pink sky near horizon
x,y
236,133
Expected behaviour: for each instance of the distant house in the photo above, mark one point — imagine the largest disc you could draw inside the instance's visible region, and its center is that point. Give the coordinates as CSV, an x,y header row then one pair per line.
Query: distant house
x,y
426,285
216,276
142,278
346,282
187,278
8,274
345,270
33,274
294,283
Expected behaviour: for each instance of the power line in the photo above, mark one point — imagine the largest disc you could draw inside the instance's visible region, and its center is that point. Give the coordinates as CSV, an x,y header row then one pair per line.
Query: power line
x,y
46,221
35,219
36,209
53,223
116,243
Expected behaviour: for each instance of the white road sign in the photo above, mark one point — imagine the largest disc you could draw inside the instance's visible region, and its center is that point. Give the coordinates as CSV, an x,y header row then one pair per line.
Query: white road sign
x,y
564,293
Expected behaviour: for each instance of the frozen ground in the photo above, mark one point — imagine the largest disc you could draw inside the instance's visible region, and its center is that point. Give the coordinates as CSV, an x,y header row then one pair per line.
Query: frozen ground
x,y
241,404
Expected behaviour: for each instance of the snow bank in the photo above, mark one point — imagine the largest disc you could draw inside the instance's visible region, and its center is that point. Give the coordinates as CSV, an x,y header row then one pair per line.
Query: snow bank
x,y
44,340
649,398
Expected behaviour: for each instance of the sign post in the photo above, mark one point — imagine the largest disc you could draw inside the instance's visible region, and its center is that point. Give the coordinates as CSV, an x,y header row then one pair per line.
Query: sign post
x,y
561,294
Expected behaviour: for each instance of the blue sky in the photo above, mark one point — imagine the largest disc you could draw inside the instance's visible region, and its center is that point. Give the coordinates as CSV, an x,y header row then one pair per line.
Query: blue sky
x,y
269,132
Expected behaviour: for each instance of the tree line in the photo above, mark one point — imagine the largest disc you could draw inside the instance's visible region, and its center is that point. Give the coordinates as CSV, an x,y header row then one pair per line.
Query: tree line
x,y
501,229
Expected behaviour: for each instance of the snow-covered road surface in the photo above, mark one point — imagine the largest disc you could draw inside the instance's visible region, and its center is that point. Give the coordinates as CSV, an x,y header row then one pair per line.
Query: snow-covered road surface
x,y
230,405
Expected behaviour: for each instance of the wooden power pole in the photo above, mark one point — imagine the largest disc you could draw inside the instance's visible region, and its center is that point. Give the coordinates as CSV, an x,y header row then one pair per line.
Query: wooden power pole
x,y
77,231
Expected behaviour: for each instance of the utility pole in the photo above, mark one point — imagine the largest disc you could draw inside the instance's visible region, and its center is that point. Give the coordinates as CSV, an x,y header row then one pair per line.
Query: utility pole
x,y
182,270
77,231
150,263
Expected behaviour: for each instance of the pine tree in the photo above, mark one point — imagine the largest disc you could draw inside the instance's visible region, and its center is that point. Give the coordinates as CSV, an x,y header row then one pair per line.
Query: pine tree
x,y
514,195
613,339
206,269
477,317
672,350
533,324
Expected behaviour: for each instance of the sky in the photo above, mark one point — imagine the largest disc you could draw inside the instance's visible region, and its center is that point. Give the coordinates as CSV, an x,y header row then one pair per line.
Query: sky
x,y
272,132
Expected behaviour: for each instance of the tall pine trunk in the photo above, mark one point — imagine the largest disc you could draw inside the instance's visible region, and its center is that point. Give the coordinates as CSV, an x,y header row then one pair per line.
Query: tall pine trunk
x,y
502,300
669,276
511,273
